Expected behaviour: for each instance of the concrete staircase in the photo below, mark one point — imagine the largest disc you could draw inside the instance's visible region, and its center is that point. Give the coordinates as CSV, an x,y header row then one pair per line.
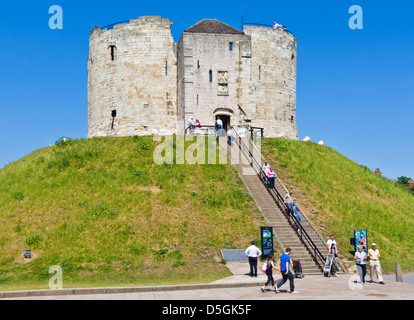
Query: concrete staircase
x,y
275,217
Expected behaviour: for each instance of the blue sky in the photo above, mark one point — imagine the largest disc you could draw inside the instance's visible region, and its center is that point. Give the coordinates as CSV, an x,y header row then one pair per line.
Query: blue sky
x,y
354,92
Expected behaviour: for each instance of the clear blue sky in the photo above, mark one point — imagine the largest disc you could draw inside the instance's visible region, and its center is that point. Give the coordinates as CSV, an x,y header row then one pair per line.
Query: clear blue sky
x,y
355,87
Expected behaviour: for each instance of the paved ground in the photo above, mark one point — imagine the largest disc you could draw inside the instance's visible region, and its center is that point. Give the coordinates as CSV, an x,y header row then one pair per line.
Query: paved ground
x,y
309,288
407,278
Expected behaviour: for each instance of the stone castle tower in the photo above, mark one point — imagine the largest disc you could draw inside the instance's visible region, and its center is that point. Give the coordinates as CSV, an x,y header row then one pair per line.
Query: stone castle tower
x,y
141,83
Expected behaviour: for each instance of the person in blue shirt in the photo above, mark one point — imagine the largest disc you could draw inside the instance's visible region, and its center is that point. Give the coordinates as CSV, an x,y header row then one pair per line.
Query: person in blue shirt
x,y
285,271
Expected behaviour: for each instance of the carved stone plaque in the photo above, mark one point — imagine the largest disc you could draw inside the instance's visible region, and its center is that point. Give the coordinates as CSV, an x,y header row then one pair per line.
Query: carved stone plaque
x,y
223,77
223,90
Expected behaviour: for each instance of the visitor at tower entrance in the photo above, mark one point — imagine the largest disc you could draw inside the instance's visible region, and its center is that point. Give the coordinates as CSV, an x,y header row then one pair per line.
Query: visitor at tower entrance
x,y
219,124
191,124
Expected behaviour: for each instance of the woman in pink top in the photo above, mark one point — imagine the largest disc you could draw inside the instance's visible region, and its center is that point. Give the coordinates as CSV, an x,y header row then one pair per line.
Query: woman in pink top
x,y
271,176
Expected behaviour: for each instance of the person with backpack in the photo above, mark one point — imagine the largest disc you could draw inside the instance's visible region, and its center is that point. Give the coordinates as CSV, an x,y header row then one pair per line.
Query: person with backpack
x,y
268,269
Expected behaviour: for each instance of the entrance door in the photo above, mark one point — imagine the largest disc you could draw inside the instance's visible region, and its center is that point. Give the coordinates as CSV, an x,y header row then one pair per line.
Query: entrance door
x,y
225,120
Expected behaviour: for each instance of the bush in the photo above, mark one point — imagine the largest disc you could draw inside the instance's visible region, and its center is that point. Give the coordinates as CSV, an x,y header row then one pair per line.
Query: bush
x,y
63,142
33,240
18,196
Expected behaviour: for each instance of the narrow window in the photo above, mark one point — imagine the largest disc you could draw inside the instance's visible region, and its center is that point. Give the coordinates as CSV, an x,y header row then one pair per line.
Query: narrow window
x,y
198,64
260,72
197,100
168,95
166,68
113,48
211,76
113,114
231,46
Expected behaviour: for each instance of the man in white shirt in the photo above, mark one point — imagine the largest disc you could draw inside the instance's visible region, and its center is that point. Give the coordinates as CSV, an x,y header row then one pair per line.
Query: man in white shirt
x,y
252,254
289,201
219,124
330,242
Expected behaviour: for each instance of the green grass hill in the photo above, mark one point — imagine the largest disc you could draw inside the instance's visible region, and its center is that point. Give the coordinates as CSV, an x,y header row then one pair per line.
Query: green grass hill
x,y
109,216
340,196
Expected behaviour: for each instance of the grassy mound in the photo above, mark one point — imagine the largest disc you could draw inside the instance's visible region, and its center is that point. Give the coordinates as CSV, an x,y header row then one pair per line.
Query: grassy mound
x,y
343,196
109,216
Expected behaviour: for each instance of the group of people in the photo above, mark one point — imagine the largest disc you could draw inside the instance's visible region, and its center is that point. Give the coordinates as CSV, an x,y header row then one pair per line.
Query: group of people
x,y
284,264
361,257
270,177
277,26
253,253
193,124
293,209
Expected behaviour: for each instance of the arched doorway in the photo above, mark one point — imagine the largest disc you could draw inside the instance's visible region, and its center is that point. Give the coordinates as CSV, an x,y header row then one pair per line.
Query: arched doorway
x,y
225,115
226,121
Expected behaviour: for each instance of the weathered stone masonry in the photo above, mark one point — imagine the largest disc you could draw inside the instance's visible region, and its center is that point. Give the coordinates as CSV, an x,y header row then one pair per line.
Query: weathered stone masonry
x,y
155,85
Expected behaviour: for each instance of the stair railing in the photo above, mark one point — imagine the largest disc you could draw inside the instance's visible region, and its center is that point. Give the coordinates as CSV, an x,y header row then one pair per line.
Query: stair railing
x,y
293,221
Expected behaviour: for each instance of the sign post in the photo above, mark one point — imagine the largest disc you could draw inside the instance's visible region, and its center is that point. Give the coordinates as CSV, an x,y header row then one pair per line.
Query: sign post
x,y
267,241
361,239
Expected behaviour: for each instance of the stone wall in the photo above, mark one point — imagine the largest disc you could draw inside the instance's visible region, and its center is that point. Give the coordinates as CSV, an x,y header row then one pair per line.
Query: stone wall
x,y
155,85
133,69
199,54
267,91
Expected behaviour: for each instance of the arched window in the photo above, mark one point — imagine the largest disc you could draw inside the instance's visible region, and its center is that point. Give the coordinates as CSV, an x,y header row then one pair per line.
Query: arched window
x,y
211,75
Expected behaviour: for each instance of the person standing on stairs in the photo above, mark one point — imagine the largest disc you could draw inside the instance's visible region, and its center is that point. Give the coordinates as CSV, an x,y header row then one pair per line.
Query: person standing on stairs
x,y
289,201
266,168
271,176
252,254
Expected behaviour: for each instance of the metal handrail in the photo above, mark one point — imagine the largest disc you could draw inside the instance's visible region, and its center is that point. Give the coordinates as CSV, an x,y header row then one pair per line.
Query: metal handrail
x,y
304,236
111,26
208,128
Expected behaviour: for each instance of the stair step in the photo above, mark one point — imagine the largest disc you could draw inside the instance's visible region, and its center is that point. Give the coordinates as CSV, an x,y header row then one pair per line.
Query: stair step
x,y
275,217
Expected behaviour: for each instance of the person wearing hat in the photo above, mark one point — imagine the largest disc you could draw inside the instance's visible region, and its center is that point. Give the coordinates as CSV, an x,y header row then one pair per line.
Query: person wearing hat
x,y
374,255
